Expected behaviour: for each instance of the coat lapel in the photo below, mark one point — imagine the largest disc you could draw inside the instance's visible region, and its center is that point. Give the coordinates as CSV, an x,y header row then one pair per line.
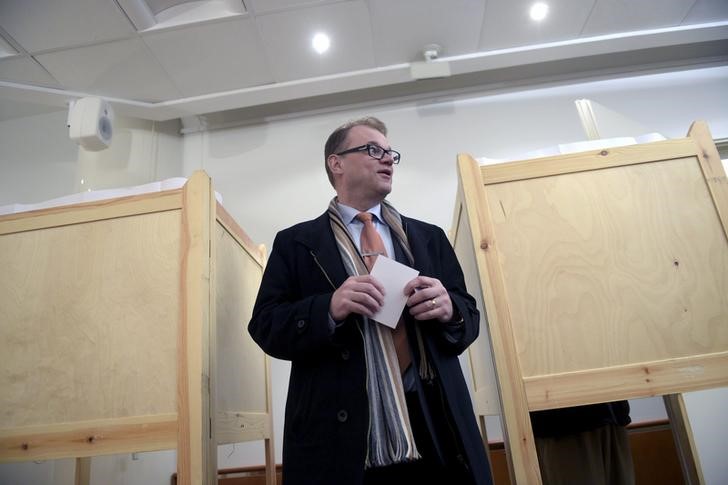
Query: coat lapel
x,y
419,241
319,240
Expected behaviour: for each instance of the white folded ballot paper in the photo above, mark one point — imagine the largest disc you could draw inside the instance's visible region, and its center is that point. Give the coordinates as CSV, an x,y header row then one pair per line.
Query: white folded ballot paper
x,y
393,276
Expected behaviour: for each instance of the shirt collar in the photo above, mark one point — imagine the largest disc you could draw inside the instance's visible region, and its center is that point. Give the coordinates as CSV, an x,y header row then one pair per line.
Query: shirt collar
x,y
349,213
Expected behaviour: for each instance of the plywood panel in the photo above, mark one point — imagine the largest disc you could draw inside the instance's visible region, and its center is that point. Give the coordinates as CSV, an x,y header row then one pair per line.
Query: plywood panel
x,y
241,366
611,267
87,312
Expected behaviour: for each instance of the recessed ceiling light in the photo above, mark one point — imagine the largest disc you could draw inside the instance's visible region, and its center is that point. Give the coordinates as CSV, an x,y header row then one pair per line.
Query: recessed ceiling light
x,y
538,11
320,42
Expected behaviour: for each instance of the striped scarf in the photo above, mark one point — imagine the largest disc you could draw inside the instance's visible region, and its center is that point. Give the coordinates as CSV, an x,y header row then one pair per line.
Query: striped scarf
x,y
390,437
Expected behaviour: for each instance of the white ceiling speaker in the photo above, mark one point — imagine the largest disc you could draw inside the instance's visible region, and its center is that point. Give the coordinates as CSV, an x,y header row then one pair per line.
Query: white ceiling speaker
x,y
91,123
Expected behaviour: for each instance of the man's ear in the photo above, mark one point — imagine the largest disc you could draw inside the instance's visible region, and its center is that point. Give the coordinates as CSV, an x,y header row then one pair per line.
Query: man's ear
x,y
335,164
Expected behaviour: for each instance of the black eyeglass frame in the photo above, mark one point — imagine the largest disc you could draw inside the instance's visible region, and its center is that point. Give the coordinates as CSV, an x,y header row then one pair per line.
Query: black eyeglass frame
x,y
396,156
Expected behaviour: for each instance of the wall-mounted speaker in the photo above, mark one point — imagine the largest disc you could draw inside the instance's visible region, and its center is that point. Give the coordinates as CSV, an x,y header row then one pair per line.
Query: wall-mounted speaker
x,y
91,123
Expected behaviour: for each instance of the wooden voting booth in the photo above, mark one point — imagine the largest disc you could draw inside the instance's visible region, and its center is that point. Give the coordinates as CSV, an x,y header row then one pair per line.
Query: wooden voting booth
x,y
123,329
604,276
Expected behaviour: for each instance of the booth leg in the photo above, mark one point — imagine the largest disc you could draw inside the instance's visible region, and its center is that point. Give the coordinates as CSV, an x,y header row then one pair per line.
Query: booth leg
x,y
684,441
83,471
270,463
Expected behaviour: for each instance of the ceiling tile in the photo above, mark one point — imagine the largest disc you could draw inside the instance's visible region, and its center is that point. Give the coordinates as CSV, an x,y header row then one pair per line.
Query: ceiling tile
x,y
402,29
124,69
507,23
287,37
707,11
39,25
611,16
212,57
25,70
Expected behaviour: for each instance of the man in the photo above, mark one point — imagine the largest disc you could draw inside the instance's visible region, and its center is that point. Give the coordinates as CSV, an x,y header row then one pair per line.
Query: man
x,y
367,404
584,444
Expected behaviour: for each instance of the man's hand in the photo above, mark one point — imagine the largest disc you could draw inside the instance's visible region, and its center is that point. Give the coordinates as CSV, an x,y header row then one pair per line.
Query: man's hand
x,y
428,299
358,294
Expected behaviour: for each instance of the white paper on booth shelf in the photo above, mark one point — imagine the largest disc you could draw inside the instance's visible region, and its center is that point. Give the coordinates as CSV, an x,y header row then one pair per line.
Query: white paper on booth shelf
x,y
394,277
649,138
575,147
105,194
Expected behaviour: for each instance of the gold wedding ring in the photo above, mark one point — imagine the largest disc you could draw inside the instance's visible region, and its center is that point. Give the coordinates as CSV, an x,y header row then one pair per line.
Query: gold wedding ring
x,y
433,302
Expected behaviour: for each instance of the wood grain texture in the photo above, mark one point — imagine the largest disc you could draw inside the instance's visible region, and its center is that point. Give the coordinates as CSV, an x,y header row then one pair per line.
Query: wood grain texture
x,y
712,167
612,267
194,380
241,365
644,379
87,311
89,438
209,346
238,427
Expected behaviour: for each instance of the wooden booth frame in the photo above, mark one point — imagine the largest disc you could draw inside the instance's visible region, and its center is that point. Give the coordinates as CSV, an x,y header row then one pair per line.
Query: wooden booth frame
x,y
122,329
604,276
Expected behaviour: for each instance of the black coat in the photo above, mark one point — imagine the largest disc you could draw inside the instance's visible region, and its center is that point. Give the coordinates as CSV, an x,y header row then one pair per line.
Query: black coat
x,y
326,421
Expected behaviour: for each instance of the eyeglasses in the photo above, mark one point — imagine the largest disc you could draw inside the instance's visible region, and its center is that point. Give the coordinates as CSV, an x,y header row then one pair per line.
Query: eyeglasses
x,y
374,151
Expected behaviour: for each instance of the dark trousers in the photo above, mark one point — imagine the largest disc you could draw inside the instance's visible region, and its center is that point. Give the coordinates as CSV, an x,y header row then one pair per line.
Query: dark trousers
x,y
598,457
429,469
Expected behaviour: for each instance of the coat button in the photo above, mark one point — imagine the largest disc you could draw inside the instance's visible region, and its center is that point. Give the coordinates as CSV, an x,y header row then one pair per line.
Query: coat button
x,y
342,416
300,324
345,354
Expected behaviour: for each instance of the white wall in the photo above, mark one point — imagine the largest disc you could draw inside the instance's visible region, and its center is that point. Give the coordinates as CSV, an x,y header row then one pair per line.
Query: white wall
x,y
707,412
37,159
271,175
39,162
142,151
153,468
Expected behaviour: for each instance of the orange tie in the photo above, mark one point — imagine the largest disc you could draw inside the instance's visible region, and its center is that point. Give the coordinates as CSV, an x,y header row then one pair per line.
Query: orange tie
x,y
371,246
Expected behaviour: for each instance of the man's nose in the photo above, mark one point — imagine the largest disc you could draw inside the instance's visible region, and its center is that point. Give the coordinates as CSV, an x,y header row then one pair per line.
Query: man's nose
x,y
387,158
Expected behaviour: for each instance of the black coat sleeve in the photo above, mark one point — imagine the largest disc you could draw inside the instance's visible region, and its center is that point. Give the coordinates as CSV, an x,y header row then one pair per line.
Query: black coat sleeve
x,y
291,314
452,337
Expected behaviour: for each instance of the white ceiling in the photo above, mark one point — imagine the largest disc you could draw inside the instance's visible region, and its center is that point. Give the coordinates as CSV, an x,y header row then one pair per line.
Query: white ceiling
x,y
257,58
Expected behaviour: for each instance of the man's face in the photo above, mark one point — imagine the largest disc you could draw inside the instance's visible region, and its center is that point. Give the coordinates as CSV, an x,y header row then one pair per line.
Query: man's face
x,y
363,179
